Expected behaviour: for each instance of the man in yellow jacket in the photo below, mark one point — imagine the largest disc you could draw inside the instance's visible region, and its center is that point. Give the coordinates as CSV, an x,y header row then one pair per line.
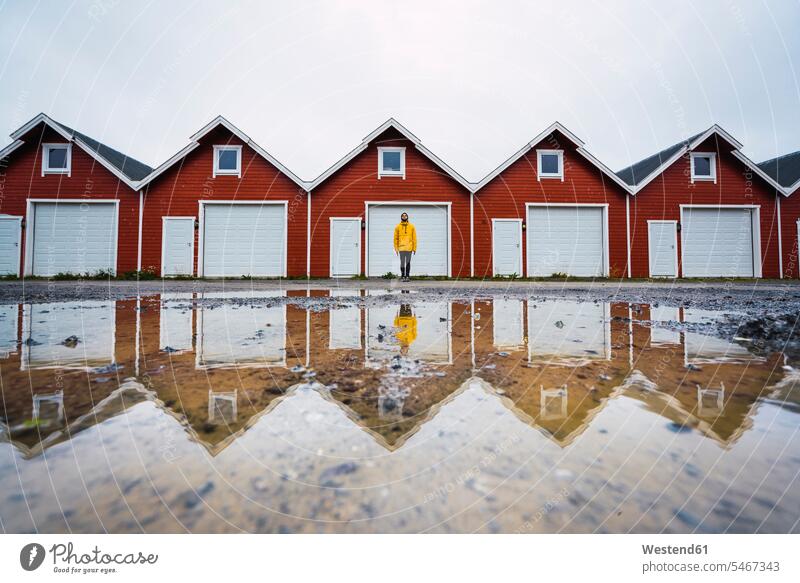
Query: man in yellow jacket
x,y
406,324
405,244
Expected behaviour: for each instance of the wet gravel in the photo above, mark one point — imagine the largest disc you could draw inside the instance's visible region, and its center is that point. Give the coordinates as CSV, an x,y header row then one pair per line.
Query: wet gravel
x,y
763,315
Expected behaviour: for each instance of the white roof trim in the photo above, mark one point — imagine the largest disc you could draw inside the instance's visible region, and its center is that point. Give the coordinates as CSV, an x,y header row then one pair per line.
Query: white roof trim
x,y
391,123
10,148
788,190
42,118
715,129
754,168
556,126
195,142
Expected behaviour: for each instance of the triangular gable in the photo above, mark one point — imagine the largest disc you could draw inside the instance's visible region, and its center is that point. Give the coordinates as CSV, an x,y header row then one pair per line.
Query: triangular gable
x,y
127,169
195,143
639,175
391,123
555,127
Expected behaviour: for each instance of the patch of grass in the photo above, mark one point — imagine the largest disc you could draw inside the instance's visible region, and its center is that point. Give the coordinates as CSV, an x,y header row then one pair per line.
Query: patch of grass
x,y
388,275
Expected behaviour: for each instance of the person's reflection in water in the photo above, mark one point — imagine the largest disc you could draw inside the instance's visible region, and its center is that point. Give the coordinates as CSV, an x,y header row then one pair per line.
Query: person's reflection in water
x,y
406,325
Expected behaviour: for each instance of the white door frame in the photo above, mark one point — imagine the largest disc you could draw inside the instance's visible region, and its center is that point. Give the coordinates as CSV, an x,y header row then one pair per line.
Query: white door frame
x,y
202,214
601,205
797,245
19,239
650,247
519,225
30,217
164,242
447,205
755,220
330,244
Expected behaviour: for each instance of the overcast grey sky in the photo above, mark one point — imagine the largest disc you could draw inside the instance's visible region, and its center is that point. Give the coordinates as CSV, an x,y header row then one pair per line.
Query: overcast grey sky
x,y
474,80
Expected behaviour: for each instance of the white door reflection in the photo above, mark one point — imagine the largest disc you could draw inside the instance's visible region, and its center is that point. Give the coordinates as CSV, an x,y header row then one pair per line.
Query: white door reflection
x,y
660,336
9,329
702,348
569,333
175,322
417,330
241,335
344,324
507,324
73,336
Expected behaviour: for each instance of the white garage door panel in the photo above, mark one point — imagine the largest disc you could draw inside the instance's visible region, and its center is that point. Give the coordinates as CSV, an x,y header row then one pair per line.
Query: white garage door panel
x,y
717,242
566,240
244,239
74,238
432,227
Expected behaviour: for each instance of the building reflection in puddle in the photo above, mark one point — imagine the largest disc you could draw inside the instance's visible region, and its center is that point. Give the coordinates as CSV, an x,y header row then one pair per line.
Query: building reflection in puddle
x,y
390,363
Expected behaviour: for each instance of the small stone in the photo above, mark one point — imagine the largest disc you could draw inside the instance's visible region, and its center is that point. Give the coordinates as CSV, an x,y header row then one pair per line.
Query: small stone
x,y
70,341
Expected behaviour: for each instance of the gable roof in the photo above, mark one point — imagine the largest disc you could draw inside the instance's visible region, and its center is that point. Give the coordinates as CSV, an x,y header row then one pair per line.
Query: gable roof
x,y
127,169
556,126
635,174
785,170
195,142
639,175
391,123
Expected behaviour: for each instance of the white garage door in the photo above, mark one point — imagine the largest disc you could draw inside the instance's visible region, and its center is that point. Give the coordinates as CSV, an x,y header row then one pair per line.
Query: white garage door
x,y
432,226
244,239
74,238
717,242
566,239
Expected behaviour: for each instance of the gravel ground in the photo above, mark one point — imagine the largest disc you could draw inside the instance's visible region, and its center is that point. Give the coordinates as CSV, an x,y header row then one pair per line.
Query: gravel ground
x,y
764,312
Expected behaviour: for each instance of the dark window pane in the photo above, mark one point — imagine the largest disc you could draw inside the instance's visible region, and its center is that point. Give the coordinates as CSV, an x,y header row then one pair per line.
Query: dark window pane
x,y
702,166
550,164
57,158
391,161
228,160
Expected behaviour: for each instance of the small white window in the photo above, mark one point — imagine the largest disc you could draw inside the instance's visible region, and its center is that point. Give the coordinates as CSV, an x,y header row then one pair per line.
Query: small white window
x,y
704,166
550,164
56,159
227,160
391,162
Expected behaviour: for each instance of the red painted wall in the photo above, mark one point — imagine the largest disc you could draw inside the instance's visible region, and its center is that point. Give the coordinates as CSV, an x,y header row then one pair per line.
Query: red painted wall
x,y
661,199
21,178
344,194
790,213
505,198
178,191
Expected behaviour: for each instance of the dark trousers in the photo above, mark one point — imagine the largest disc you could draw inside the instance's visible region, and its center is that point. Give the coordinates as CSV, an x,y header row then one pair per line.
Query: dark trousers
x,y
405,263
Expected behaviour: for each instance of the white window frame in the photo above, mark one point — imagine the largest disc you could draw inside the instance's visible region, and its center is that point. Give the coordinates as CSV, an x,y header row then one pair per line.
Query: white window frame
x,y
559,174
382,172
220,172
46,159
713,166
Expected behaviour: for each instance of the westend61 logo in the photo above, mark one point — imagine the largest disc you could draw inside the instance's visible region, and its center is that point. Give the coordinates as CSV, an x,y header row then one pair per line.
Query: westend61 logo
x,y
31,556
66,560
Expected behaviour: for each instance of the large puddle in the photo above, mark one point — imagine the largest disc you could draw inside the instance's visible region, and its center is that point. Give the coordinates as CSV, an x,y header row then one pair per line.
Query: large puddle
x,y
390,412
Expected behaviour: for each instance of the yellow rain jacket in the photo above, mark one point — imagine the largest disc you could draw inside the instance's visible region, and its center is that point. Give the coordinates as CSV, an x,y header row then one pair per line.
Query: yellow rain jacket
x,y
406,329
405,237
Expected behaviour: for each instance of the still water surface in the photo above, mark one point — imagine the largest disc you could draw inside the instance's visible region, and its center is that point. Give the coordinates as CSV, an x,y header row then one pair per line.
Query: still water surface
x,y
390,413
